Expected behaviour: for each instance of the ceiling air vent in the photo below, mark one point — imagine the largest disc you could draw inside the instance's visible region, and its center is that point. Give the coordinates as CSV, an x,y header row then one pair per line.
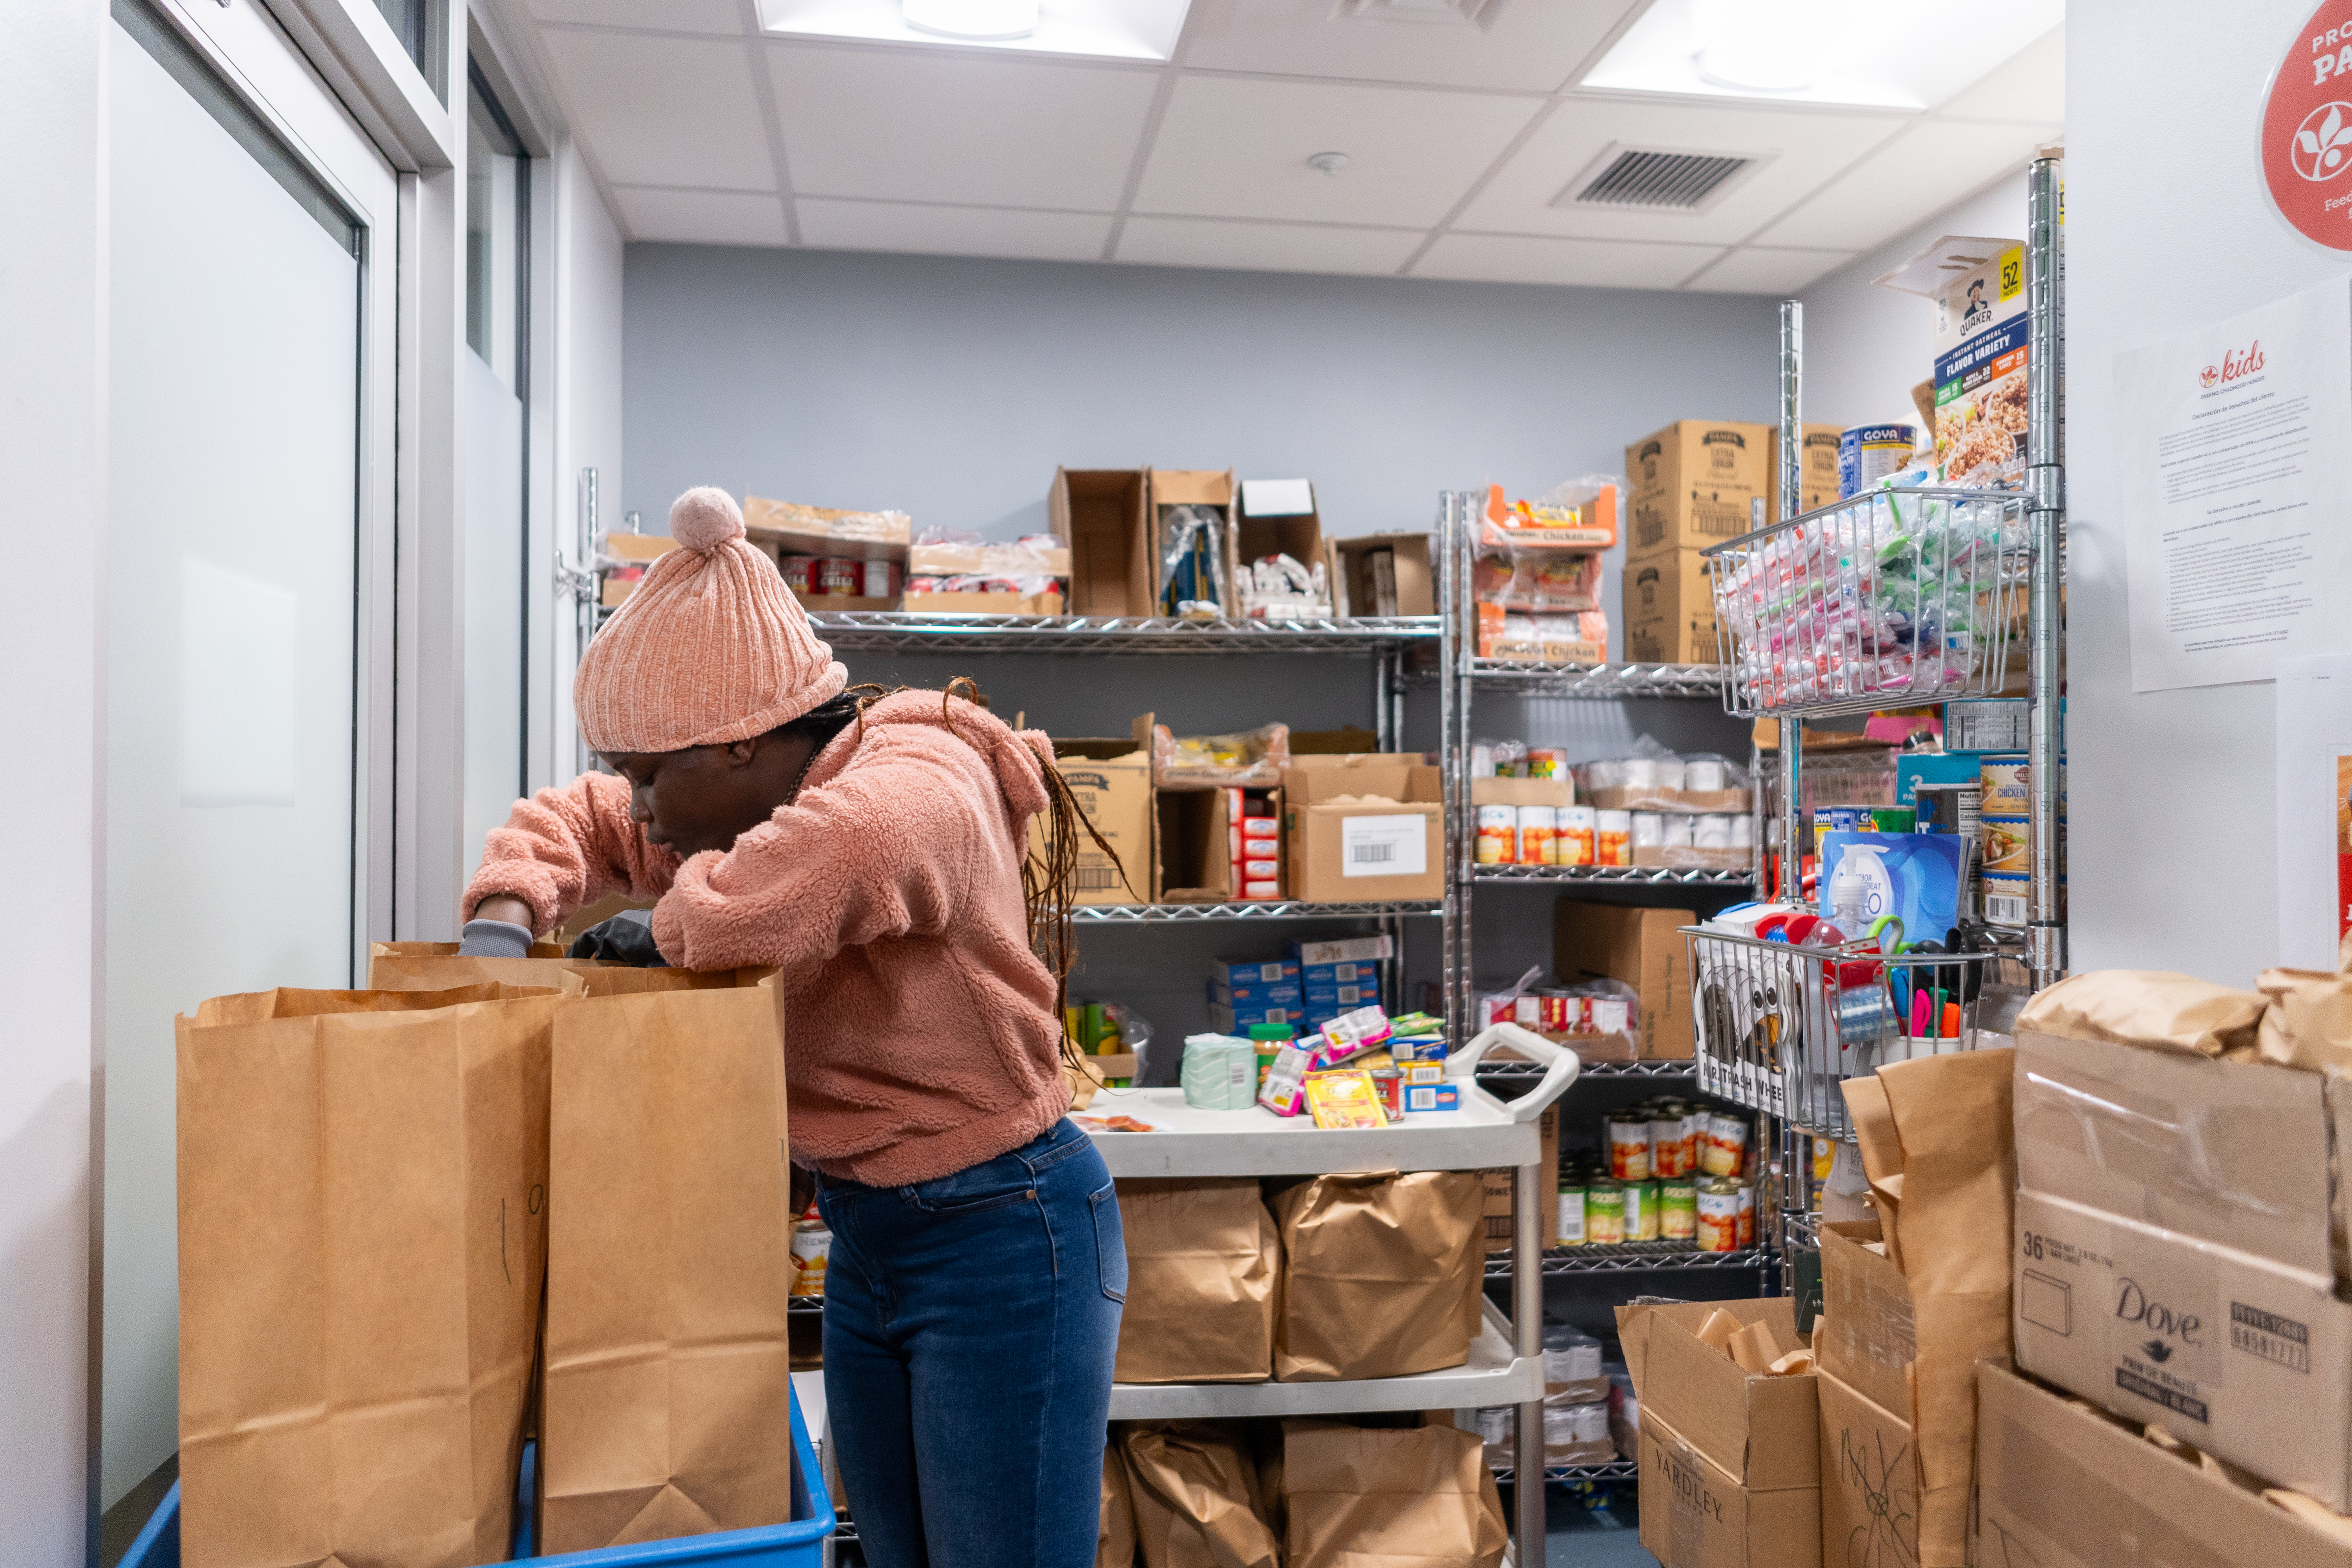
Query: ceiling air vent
x,y
1474,12
1652,180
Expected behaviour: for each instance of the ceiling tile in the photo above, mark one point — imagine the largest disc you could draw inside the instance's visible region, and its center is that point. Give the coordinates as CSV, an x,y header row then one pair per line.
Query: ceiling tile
x,y
1588,263
701,217
1919,173
1756,270
652,15
663,112
952,231
2032,85
922,127
1802,148
1231,147
1532,45
1265,247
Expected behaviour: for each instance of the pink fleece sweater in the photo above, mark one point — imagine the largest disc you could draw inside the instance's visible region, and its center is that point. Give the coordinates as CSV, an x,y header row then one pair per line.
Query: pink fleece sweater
x,y
920,1035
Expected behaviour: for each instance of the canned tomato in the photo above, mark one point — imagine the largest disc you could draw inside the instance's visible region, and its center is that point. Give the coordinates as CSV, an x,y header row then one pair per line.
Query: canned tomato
x,y
1574,842
1389,1084
1641,1211
1629,1148
1604,1214
1716,1228
1726,1149
1747,1213
1667,1142
1570,1230
1539,824
837,575
1563,1013
800,573
1498,835
1678,1210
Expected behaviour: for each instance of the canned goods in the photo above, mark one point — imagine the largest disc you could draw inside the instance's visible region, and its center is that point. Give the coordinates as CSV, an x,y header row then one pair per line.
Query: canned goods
x,y
1562,1013
1612,839
2007,897
1604,1214
800,573
1694,1138
1569,1229
2004,843
1948,808
1546,762
1824,1156
1869,453
2004,783
1629,1148
1716,1228
1606,1015
1678,1210
1498,835
1829,819
1537,826
1667,1142
1389,1084
1641,1211
1726,1149
837,575
1575,840
1893,819
1747,1213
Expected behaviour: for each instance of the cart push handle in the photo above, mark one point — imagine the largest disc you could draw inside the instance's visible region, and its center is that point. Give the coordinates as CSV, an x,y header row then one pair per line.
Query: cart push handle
x,y
1561,1067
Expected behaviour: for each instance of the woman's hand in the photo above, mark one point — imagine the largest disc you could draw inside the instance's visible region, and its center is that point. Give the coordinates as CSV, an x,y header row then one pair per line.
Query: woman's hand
x,y
507,908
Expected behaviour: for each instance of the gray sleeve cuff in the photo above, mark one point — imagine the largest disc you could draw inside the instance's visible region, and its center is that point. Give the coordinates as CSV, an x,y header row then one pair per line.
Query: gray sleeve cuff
x,y
494,939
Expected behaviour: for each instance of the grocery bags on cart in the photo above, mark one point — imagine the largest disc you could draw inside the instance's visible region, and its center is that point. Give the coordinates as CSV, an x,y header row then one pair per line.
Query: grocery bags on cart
x,y
362,1200
1198,1502
1202,1258
1363,1495
1381,1275
1115,1536
667,1404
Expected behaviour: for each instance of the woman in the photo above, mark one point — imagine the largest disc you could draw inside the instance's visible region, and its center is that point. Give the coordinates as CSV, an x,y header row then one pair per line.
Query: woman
x,y
874,853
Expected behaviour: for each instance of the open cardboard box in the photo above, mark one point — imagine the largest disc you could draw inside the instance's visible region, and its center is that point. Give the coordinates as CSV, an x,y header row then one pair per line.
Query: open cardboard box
x,y
1343,847
1644,949
1557,791
1194,828
1411,571
1211,488
1102,513
1498,1189
788,527
971,604
1276,516
1111,780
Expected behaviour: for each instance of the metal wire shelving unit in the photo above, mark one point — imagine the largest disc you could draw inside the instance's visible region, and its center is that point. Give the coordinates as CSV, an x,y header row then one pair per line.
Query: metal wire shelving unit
x,y
1635,876
1634,1257
1257,910
1683,1071
903,631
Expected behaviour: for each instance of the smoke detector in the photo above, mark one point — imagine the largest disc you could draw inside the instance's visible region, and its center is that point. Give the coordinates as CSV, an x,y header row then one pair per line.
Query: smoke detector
x,y
1327,162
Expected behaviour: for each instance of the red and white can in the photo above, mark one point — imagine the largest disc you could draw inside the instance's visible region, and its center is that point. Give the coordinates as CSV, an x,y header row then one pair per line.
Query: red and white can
x,y
837,575
800,573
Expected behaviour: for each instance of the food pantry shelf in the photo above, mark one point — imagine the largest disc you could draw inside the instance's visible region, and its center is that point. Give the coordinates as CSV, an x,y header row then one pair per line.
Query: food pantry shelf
x,y
1187,1141
1491,1376
1615,1470
1645,875
1629,1257
1597,682
900,631
1512,1072
1268,909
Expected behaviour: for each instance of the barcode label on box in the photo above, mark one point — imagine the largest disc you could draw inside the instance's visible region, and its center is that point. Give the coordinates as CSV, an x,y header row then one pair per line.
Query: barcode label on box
x,y
1383,845
1094,879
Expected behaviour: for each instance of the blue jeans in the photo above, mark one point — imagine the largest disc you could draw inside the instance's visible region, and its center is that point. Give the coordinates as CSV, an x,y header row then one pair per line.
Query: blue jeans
x,y
969,1327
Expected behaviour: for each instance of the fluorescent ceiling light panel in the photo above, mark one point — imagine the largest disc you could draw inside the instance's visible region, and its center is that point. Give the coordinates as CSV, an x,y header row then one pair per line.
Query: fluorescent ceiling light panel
x,y
1908,56
1100,29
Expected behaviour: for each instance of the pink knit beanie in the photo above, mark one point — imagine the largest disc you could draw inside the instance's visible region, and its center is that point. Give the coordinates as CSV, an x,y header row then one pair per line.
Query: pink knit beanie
x,y
711,646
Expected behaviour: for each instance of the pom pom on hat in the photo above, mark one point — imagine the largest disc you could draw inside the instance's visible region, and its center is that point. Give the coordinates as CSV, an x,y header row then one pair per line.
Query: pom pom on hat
x,y
704,518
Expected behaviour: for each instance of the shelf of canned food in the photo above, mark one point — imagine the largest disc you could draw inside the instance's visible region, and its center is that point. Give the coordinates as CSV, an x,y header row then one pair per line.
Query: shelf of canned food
x,y
1661,876
1246,909
1597,682
1893,598
1614,1470
1632,1258
901,631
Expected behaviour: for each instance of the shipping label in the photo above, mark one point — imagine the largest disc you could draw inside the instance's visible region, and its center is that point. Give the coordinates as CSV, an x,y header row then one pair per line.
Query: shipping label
x,y
1395,845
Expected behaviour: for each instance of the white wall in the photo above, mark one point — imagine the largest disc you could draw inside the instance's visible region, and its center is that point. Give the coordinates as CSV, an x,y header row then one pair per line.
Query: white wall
x,y
587,372
53,523
2174,848
1866,347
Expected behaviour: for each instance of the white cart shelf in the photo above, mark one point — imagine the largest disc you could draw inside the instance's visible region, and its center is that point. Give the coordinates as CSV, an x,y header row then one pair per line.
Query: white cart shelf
x,y
1192,1142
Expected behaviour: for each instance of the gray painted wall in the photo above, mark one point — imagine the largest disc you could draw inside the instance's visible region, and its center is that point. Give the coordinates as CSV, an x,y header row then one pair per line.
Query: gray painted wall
x,y
950,388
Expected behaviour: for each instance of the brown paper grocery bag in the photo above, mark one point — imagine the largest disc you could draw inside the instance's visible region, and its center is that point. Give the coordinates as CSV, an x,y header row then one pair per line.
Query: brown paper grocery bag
x,y
621,979
436,966
1202,1259
1363,1497
1115,1538
1381,1275
666,1409
1195,1506
252,1006
2154,1009
2308,1023
361,1223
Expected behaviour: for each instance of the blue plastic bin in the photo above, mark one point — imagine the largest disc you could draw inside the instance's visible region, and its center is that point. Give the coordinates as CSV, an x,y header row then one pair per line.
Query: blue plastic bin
x,y
800,1543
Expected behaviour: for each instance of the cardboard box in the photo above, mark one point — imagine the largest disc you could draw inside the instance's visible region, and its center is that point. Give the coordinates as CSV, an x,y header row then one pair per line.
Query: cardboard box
x,y
995,560
1869,1333
1669,615
1731,1474
2233,1353
1350,850
1820,463
962,603
1111,780
1101,512
1195,862
1411,573
642,548
1643,948
1870,1479
1277,517
2061,1487
1166,488
848,602
789,528
1498,1192
1522,791
1698,482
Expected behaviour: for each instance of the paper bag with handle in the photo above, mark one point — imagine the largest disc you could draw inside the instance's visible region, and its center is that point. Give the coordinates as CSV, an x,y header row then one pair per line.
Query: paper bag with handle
x,y
1381,1275
1201,1257
362,1188
666,1406
436,966
1195,1494
1361,1496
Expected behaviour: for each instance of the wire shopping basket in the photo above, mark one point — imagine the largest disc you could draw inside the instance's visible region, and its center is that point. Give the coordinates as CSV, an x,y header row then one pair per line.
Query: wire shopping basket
x,y
1896,596
1778,1026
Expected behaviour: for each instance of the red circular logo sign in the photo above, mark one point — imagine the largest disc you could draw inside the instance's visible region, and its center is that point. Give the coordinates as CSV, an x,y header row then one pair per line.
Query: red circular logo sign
x,y
2308,130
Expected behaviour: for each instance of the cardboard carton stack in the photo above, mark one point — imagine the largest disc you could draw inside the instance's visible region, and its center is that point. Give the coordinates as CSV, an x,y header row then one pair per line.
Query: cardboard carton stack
x,y
1643,949
1536,577
1364,827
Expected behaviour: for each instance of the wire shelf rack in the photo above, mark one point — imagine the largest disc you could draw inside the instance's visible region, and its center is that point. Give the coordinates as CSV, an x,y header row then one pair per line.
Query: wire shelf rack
x,y
1801,1232
1651,876
1530,1071
900,631
1630,1258
1252,909
1891,598
1563,1474
1600,681
1780,1026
